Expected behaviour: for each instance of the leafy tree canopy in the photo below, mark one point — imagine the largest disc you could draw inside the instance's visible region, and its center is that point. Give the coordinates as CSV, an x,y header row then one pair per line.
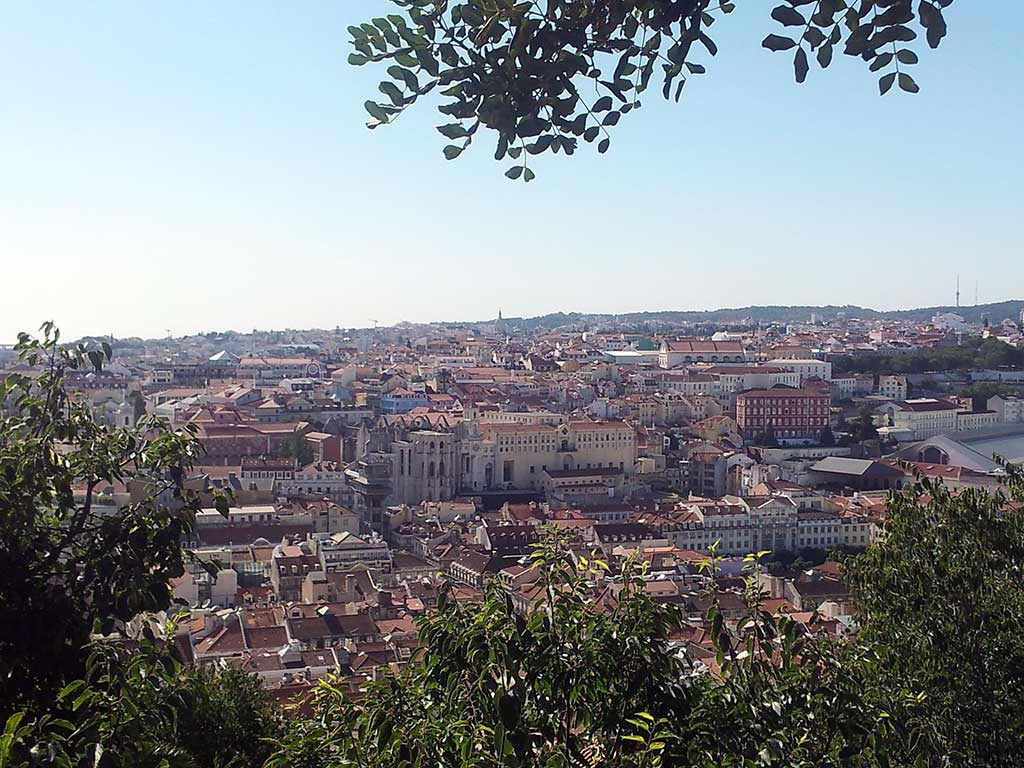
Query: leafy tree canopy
x,y
71,566
520,68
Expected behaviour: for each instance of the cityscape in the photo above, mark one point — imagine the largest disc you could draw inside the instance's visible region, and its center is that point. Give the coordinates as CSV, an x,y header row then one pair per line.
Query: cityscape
x,y
511,384
366,465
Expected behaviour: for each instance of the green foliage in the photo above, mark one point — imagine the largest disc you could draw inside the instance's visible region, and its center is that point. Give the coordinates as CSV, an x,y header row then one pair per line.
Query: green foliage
x,y
864,426
140,707
227,719
70,566
982,391
520,69
766,439
942,606
827,438
298,448
581,678
974,353
138,401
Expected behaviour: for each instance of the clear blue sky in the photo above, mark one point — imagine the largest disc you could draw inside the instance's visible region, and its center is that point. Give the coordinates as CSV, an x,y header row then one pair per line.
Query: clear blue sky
x,y
196,166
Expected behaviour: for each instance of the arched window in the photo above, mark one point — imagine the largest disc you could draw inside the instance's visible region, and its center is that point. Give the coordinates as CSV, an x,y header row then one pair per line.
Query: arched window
x,y
430,470
934,455
431,445
440,469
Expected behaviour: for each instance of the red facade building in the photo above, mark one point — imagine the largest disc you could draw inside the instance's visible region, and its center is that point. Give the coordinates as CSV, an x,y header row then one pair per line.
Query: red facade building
x,y
788,414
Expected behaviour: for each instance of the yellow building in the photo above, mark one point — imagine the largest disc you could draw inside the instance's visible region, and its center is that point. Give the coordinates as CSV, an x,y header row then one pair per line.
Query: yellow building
x,y
522,452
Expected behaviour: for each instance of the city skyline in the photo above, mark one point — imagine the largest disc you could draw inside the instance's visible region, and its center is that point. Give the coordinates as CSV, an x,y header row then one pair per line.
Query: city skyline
x,y
754,315
193,168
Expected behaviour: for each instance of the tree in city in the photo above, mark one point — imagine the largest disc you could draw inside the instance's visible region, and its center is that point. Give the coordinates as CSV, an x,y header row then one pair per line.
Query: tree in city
x,y
969,353
942,606
863,426
138,401
982,391
139,705
766,438
85,677
543,74
827,438
297,447
71,566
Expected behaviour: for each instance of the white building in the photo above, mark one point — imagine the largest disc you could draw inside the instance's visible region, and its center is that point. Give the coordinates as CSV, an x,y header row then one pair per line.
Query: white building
x,y
807,368
1008,409
950,321
925,417
892,387
686,351
968,421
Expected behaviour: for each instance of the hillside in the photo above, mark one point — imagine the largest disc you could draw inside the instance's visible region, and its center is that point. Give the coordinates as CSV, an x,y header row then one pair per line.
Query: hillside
x,y
766,314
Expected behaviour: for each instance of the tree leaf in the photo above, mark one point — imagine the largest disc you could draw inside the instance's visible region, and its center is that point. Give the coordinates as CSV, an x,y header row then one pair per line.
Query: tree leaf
x,y
453,131
220,503
906,56
907,83
788,17
778,43
885,83
376,112
824,56
800,65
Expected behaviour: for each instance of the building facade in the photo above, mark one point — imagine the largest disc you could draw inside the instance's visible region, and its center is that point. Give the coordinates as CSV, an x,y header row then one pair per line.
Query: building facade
x,y
788,414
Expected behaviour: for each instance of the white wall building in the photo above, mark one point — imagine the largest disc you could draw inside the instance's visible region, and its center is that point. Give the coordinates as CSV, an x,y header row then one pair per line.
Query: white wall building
x,y
1008,409
807,368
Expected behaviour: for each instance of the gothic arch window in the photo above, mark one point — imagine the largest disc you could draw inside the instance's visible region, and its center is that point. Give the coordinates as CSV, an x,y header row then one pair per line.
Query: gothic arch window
x,y
430,470
440,469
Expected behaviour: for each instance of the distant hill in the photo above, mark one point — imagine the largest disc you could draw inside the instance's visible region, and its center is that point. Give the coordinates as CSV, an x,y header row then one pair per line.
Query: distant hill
x,y
995,312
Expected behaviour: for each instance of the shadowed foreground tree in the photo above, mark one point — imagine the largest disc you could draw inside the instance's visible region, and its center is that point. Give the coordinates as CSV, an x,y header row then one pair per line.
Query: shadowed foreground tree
x,y
579,681
943,605
72,569
70,566
521,68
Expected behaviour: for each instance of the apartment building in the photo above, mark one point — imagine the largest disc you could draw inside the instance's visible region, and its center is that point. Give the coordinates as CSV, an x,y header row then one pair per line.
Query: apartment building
x,y
1008,409
738,526
788,414
807,368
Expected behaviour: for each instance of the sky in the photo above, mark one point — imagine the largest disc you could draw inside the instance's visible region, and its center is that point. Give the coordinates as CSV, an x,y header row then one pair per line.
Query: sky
x,y
192,166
